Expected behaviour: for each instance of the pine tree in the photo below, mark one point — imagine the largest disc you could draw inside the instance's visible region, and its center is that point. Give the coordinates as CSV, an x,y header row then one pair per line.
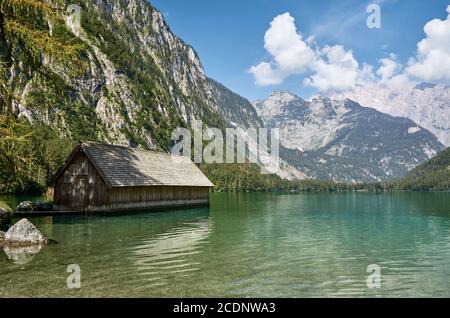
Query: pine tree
x,y
30,31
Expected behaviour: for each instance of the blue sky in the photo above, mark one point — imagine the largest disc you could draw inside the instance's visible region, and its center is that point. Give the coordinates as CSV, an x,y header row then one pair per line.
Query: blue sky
x,y
229,35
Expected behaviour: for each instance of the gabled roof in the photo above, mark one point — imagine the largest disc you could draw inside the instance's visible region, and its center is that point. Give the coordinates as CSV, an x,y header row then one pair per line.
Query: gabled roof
x,y
126,167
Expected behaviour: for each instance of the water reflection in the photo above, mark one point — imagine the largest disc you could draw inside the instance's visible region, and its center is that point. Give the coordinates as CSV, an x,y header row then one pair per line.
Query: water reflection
x,y
22,254
172,251
248,245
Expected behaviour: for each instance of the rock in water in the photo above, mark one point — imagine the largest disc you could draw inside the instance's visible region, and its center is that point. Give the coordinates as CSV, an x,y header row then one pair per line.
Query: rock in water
x,y
2,236
26,206
24,233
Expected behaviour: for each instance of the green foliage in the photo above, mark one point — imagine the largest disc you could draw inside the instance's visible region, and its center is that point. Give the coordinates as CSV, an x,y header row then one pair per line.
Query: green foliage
x,y
433,175
29,155
248,178
14,162
50,152
29,31
5,206
234,107
58,103
241,177
147,82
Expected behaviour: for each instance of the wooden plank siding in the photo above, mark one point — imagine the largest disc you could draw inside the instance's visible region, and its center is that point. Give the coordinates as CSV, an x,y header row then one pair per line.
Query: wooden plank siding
x,y
124,198
80,187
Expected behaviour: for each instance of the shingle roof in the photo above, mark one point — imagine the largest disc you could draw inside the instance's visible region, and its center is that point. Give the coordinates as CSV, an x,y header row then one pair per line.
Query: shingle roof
x,y
127,167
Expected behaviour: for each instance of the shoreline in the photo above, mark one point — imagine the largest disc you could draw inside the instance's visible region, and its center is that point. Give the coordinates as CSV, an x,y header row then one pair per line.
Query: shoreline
x,y
293,191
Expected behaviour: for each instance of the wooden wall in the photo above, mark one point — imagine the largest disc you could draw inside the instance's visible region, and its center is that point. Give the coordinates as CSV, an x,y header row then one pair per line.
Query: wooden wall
x,y
157,196
81,188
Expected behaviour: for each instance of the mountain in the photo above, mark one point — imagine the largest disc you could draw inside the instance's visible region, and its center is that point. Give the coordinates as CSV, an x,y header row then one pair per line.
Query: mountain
x,y
235,109
426,104
139,82
433,175
134,84
342,141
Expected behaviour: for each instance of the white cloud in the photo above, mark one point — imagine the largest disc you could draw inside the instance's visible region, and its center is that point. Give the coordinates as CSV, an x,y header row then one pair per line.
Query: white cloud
x,y
389,67
286,45
333,68
336,70
266,75
290,53
391,72
366,75
432,62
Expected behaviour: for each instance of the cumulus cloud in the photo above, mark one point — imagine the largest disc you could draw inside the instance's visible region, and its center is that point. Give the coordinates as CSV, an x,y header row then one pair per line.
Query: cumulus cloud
x,y
366,75
391,72
432,62
265,74
389,67
334,68
291,54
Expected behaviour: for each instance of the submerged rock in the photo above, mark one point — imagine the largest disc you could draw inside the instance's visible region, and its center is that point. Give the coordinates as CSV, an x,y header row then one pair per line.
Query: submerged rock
x,y
25,206
24,233
22,254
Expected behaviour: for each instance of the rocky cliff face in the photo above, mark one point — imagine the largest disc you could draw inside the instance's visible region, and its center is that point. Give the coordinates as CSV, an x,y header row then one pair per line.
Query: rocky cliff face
x,y
135,84
139,81
426,104
343,141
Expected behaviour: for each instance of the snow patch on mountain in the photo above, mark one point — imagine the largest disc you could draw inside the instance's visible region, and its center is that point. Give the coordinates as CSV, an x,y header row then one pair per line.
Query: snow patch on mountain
x,y
341,140
426,104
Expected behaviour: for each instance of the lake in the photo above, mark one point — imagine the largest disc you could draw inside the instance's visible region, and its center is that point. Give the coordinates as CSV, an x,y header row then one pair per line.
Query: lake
x,y
246,245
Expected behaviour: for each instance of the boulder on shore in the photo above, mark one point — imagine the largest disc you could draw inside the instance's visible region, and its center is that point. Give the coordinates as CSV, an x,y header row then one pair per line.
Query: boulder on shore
x,y
25,206
24,233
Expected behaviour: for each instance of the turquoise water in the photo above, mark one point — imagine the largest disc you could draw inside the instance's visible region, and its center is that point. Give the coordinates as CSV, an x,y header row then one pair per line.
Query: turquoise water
x,y
246,245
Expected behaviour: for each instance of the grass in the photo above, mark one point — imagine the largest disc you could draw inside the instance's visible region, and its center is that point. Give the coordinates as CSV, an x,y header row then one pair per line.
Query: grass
x,y
5,206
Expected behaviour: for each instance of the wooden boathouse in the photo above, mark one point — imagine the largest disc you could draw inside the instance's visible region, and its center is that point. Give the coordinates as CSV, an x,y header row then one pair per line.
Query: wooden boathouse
x,y
105,178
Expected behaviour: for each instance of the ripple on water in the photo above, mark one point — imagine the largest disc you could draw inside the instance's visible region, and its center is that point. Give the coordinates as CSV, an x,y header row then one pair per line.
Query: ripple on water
x,y
256,245
170,253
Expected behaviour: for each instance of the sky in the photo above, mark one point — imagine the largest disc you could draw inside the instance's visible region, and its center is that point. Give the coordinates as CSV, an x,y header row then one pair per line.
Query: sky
x,y
308,47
